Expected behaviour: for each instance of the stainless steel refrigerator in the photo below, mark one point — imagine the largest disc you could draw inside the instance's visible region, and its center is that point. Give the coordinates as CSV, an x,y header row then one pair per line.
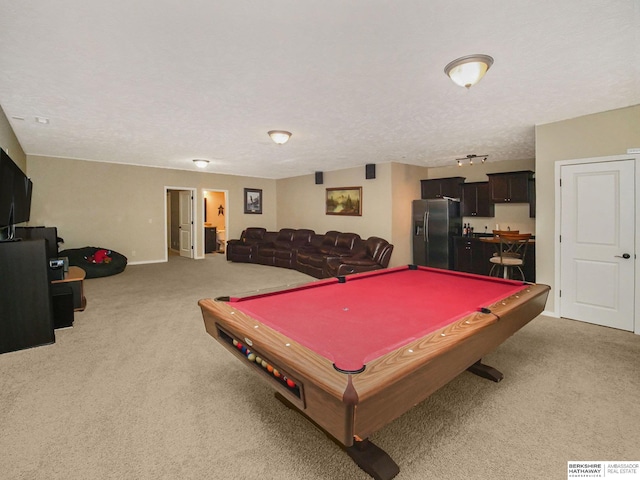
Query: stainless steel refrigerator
x,y
435,223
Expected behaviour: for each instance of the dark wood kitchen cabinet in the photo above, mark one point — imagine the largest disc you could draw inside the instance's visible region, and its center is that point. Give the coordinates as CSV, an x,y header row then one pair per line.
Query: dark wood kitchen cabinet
x,y
476,201
441,187
471,255
210,239
510,187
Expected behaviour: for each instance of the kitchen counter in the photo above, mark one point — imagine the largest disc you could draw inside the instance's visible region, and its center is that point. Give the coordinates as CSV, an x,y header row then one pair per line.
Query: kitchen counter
x,y
487,235
472,254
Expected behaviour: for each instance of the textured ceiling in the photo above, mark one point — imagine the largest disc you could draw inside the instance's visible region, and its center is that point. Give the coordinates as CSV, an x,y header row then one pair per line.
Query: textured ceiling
x,y
163,82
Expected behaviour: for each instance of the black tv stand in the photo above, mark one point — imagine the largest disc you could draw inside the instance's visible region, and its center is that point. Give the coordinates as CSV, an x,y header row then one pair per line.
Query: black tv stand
x,y
26,318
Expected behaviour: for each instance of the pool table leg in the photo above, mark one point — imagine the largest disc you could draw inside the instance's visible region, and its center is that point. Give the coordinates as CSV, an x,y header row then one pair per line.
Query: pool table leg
x,y
368,456
373,460
485,371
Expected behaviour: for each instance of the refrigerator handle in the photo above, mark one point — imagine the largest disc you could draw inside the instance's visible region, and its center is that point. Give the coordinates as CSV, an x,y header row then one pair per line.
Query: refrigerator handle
x,y
426,226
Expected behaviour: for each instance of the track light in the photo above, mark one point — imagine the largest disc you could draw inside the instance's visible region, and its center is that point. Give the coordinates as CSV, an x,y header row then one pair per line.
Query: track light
x,y
470,158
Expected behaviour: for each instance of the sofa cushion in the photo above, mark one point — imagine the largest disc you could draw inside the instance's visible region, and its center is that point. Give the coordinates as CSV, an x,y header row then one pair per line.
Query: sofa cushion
x,y
346,243
328,242
285,237
302,237
253,234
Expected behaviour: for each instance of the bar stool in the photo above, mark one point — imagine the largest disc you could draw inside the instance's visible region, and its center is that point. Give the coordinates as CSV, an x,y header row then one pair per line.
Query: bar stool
x,y
495,240
511,254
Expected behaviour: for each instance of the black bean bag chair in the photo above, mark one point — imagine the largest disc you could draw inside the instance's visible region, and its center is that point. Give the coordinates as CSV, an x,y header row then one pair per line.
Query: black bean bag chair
x,y
83,258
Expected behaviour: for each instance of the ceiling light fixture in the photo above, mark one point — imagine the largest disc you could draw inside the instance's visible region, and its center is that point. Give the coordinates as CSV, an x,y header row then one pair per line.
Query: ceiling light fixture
x,y
470,158
279,136
467,71
201,163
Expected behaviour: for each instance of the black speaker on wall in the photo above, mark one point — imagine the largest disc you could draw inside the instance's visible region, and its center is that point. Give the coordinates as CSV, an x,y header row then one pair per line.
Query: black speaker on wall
x,y
319,179
370,171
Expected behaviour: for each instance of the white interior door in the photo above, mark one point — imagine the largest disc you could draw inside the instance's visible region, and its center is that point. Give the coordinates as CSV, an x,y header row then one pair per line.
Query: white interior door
x,y
597,243
186,224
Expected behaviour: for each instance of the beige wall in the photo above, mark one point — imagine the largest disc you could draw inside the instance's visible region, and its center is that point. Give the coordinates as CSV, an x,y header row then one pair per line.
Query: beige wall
x,y
9,143
122,207
406,187
600,134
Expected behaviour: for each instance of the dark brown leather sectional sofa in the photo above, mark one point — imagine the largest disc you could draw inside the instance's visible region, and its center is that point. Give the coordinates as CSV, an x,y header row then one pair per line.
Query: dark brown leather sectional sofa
x,y
320,255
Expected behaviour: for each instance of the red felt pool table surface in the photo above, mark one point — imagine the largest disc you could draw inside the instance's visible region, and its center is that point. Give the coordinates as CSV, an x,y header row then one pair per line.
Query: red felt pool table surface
x,y
368,315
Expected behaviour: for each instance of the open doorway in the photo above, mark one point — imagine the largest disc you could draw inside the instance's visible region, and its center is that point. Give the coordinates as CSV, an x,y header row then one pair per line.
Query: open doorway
x,y
179,222
215,221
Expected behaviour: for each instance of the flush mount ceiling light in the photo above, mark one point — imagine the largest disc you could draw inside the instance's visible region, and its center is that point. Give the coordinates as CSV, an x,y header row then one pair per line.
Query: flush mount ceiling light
x,y
471,158
467,71
279,136
201,163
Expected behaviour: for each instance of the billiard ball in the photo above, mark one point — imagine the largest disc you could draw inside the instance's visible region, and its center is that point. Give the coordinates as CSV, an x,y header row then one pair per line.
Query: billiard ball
x,y
251,357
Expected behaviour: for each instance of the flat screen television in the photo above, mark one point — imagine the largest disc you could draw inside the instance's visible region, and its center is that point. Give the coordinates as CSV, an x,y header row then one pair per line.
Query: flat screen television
x,y
15,195
7,173
22,188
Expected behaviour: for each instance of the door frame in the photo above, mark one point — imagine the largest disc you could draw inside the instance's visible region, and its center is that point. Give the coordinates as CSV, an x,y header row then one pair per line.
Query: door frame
x,y
558,206
226,215
194,214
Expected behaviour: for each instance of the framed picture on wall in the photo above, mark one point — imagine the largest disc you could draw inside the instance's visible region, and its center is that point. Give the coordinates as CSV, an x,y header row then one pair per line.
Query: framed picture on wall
x,y
252,200
344,201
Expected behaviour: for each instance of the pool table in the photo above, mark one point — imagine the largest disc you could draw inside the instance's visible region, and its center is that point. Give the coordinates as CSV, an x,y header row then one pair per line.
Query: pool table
x,y
353,353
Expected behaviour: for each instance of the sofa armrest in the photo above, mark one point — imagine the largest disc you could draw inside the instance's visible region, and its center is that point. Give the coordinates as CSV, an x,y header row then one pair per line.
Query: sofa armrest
x,y
358,262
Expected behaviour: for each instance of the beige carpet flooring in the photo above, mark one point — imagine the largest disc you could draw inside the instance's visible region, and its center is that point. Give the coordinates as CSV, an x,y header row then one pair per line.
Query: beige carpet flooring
x,y
138,390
